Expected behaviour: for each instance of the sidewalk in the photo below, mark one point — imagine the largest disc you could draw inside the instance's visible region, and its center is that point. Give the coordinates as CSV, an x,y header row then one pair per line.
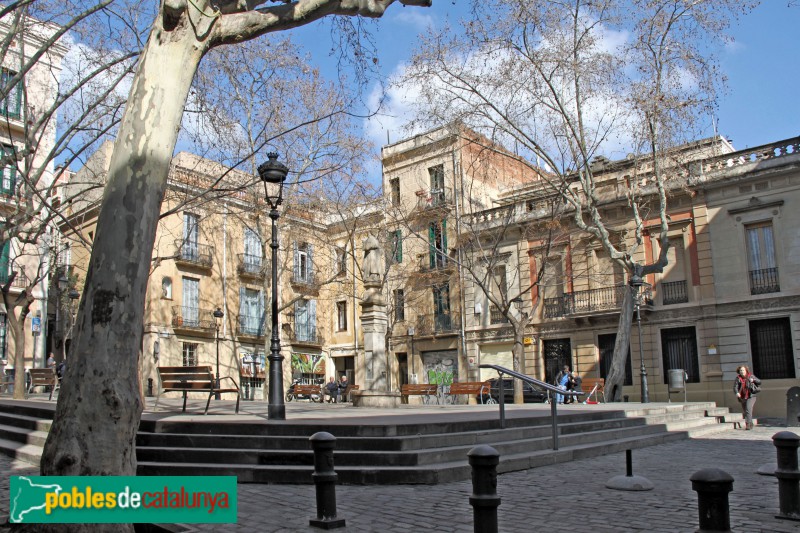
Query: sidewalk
x,y
569,496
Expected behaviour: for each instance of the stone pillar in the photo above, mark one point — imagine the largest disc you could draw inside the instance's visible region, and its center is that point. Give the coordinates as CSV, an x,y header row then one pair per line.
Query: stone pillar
x,y
374,323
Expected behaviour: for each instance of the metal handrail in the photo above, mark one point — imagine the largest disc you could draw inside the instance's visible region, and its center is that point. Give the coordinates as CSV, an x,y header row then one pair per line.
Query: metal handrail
x,y
522,377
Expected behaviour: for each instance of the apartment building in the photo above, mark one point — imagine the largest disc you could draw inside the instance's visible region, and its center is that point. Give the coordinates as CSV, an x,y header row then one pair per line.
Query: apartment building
x,y
26,140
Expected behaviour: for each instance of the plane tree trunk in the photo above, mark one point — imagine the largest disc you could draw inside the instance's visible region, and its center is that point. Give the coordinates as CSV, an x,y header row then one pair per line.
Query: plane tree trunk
x,y
616,372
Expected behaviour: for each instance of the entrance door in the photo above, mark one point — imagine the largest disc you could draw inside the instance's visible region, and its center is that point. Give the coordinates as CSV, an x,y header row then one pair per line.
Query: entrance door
x,y
605,344
557,353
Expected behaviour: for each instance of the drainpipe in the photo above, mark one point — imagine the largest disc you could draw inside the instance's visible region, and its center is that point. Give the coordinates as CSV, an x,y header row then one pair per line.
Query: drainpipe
x,y
462,296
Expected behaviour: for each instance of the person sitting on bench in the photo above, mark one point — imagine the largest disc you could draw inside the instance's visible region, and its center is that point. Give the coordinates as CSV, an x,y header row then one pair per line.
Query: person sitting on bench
x,y
332,391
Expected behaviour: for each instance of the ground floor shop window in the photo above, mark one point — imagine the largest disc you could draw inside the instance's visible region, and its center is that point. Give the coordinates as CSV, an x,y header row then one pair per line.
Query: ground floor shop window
x,y
771,346
679,351
308,368
252,376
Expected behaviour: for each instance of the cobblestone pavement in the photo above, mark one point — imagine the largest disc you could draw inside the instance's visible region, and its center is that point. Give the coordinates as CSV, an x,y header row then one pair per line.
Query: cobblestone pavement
x,y
568,496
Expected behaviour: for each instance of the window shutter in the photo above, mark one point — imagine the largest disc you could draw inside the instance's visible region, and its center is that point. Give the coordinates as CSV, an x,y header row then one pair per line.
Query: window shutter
x,y
296,270
312,318
262,313
432,241
310,272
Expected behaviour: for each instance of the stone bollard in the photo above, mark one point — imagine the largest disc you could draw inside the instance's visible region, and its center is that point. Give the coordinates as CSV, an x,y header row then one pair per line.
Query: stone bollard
x,y
793,407
788,474
325,480
712,486
484,500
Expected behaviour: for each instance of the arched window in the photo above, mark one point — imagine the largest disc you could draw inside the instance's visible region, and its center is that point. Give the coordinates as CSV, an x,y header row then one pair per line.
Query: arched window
x,y
166,288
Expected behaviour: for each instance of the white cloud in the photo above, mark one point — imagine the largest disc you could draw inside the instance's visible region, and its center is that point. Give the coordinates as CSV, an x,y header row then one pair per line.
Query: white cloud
x,y
418,20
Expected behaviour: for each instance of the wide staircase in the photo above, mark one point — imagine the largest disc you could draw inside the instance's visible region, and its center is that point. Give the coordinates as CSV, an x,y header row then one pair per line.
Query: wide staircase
x,y
419,451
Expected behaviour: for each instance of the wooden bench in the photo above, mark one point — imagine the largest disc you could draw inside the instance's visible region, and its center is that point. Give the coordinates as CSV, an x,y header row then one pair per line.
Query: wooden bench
x,y
593,386
187,379
346,392
307,389
470,388
44,377
422,389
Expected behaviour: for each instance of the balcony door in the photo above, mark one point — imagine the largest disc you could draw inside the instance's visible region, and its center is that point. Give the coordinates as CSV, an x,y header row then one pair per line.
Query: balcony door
x,y
191,233
252,250
251,311
191,302
441,307
305,320
761,258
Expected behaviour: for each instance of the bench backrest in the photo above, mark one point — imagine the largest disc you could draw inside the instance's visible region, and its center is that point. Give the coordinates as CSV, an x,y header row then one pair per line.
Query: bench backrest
x,y
43,376
304,388
469,387
587,384
186,377
350,387
421,388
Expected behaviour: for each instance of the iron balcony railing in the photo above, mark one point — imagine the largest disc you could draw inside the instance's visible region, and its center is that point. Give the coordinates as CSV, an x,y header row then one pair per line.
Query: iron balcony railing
x,y
250,326
496,316
194,254
20,280
437,324
674,292
435,260
764,281
590,301
251,265
434,198
193,318
306,334
304,277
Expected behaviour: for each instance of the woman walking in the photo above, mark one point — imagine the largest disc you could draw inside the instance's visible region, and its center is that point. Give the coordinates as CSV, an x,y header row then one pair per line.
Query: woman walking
x,y
746,386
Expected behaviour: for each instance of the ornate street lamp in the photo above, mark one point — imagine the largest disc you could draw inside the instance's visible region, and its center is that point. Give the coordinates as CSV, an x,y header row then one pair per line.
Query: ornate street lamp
x,y
275,173
637,283
218,314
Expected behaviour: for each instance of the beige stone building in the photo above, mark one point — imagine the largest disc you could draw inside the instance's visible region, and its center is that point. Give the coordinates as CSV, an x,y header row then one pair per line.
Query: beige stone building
x,y
27,178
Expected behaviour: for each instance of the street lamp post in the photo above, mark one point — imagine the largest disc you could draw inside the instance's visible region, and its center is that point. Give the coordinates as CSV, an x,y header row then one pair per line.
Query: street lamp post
x,y
218,314
637,283
275,173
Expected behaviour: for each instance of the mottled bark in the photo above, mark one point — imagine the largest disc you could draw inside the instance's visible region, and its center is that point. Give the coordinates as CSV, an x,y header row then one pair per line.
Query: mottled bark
x,y
616,372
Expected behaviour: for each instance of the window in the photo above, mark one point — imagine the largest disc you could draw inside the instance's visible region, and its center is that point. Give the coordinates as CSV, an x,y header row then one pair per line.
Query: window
x,y
12,104
437,238
341,316
305,320
5,261
190,311
191,230
499,291
679,351
605,345
252,251
166,288
8,179
251,311
441,307
189,354
303,263
399,305
761,258
3,330
394,185
771,346
437,184
340,260
396,246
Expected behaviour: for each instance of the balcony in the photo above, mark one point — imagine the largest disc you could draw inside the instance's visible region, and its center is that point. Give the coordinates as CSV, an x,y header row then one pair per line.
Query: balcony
x,y
674,292
435,261
764,281
306,334
250,326
496,316
20,281
304,278
251,266
441,324
193,320
193,254
437,199
593,301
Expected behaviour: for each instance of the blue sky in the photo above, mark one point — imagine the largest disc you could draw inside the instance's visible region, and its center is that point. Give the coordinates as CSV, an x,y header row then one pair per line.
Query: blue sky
x,y
760,105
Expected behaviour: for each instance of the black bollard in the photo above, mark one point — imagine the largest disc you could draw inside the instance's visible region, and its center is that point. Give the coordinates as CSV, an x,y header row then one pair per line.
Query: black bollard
x,y
788,474
150,387
712,486
325,480
484,500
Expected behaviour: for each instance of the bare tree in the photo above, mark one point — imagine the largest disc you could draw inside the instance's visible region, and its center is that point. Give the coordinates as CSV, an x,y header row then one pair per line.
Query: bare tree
x,y
559,82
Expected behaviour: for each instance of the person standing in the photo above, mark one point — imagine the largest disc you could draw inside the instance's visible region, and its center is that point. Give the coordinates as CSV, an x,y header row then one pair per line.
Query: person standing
x,y
746,386
561,382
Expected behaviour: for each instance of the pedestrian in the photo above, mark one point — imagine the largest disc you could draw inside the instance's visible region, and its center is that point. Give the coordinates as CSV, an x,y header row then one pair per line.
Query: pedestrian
x,y
332,390
746,386
573,384
343,383
51,361
561,382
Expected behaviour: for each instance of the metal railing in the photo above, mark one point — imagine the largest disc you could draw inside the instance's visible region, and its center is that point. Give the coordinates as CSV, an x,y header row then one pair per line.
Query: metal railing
x,y
764,281
434,198
674,292
300,277
592,300
193,318
437,324
496,316
527,379
194,253
306,334
434,260
251,265
20,280
251,326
